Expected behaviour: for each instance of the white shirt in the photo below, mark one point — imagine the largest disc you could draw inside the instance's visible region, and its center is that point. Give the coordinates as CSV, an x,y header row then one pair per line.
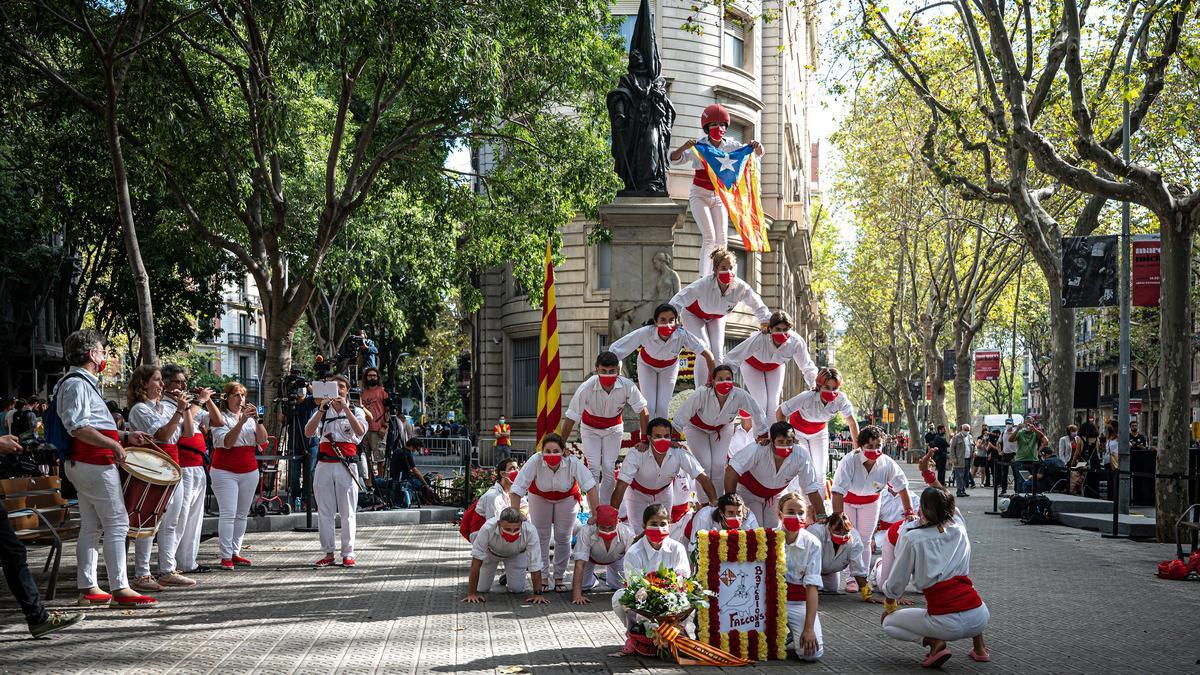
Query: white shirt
x,y
1007,447
489,541
846,555
703,520
589,546
891,509
804,559
707,292
852,475
926,556
1066,449
759,460
495,500
762,347
655,347
640,466
741,439
80,403
813,409
641,558
246,436
1111,454
150,417
570,471
590,396
335,426
705,404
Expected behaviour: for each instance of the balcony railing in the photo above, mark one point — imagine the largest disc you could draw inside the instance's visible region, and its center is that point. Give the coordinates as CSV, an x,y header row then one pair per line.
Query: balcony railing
x,y
246,340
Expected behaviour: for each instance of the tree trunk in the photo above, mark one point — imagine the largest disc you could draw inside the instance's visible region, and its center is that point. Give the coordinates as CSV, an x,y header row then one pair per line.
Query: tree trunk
x,y
937,403
279,363
963,394
1175,322
1060,383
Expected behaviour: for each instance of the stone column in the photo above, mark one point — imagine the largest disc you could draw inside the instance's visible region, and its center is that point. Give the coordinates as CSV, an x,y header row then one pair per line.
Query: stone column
x,y
643,254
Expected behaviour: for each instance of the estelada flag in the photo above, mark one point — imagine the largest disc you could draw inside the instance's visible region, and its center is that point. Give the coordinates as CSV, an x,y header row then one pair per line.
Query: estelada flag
x,y
734,176
549,403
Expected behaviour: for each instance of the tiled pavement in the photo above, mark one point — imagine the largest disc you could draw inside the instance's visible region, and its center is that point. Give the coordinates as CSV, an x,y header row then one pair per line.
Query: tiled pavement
x,y
1062,601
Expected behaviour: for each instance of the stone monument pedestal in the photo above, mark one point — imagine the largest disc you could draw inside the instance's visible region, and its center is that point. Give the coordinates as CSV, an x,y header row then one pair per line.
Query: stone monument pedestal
x,y
643,254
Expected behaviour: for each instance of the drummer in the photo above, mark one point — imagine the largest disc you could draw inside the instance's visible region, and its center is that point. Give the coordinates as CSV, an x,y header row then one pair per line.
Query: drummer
x,y
166,420
96,447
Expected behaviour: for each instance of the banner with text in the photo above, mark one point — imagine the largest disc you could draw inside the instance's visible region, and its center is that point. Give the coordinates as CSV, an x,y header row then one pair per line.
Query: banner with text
x,y
1146,248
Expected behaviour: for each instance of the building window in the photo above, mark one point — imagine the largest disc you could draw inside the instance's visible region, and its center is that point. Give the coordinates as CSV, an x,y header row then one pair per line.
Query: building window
x,y
627,23
735,39
243,368
603,266
741,258
524,377
601,343
742,133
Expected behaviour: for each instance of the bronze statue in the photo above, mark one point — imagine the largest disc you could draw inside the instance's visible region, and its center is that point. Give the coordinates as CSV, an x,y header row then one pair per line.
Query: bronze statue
x,y
641,115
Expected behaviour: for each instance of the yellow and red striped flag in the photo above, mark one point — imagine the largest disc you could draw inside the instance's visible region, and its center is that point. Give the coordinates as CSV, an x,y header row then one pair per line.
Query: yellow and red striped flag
x,y
549,378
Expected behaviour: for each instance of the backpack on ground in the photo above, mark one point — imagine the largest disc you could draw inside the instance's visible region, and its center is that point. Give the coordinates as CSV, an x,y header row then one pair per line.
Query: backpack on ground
x,y
1016,506
1038,511
472,520
56,432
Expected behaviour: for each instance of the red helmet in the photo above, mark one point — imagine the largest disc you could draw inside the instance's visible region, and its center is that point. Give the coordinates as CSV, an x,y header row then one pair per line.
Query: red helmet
x,y
715,113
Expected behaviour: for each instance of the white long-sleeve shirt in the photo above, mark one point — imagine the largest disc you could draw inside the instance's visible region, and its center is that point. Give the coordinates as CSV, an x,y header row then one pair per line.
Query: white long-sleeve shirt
x,y
570,470
846,555
891,508
590,396
642,558
655,347
759,461
589,547
813,409
706,292
495,500
703,520
762,347
336,426
703,402
639,466
488,540
80,403
152,416
852,475
926,556
247,436
804,560
689,158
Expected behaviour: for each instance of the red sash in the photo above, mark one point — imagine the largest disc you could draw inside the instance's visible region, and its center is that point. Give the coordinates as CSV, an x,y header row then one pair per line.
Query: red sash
x,y
647,491
557,496
883,525
192,450
678,511
238,459
597,422
797,592
87,453
951,596
764,367
701,424
657,363
852,498
171,449
694,308
758,489
804,426
328,455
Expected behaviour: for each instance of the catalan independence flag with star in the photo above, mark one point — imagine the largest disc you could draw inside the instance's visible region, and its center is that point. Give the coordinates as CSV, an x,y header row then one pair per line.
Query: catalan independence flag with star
x,y
734,176
549,403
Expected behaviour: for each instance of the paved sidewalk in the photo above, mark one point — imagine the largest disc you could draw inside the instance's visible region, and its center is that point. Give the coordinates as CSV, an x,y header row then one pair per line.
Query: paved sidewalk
x,y
1062,601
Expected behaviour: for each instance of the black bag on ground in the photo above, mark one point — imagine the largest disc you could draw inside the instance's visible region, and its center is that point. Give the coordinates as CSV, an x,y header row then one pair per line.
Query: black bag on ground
x,y
1016,506
1038,510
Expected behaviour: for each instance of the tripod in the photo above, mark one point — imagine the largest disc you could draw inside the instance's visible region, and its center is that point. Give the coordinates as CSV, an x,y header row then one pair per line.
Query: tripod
x,y
291,436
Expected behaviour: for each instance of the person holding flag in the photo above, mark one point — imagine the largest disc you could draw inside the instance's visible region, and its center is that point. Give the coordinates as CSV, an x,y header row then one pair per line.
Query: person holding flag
x,y
707,204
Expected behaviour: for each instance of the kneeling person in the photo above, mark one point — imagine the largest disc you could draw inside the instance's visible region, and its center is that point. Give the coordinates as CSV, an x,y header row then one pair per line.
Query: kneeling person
x,y
512,539
601,543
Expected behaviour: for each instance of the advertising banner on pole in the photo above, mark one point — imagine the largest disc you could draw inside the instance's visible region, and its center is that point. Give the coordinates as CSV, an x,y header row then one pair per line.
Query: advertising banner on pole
x,y
987,365
1146,248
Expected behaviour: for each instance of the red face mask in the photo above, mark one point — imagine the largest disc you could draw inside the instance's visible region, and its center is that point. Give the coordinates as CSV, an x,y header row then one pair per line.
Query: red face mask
x,y
725,277
783,451
102,366
779,338
661,445
666,332
732,523
723,388
716,132
512,476
793,523
607,381
552,461
656,535
510,537
872,454
828,396
839,539
607,536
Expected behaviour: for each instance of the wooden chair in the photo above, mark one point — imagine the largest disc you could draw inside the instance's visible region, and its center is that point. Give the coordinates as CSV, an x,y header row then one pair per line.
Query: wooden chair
x,y
41,517
1188,526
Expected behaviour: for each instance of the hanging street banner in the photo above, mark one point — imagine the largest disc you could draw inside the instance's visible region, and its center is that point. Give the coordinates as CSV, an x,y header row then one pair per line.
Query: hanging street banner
x,y
987,365
1089,271
1146,248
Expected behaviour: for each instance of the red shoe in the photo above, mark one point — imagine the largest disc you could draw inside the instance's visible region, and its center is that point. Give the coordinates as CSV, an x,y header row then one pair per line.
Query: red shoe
x,y
347,562
133,602
324,562
94,599
240,561
227,564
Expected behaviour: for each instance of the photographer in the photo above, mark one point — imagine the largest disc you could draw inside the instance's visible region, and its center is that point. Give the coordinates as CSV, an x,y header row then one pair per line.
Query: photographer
x,y
375,400
368,353
340,427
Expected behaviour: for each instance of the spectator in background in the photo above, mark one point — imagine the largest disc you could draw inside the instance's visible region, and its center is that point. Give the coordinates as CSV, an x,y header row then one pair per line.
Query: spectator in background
x,y
979,463
375,399
959,457
404,469
6,410
1110,456
1008,455
1137,441
25,417
502,432
940,447
1050,470
368,353
1089,433
1069,445
118,416
1030,440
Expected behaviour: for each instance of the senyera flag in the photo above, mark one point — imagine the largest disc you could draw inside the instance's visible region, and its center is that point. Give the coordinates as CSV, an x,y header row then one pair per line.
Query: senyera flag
x,y
549,378
734,176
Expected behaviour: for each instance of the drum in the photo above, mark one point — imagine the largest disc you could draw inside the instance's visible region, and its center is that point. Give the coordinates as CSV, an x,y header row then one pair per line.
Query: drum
x,y
149,479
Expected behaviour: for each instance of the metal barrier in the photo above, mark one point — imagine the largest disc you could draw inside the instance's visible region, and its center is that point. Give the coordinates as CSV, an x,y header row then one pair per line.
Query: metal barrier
x,y
487,453
439,453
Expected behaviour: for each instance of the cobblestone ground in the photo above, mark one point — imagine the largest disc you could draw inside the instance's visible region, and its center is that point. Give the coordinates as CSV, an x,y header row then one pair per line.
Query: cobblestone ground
x,y
1061,601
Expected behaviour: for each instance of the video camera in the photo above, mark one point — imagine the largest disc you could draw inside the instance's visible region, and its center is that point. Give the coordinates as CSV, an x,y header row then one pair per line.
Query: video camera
x,y
27,463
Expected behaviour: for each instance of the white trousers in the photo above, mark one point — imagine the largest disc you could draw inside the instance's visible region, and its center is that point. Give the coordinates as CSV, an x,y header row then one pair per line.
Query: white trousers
x,y
601,447
864,518
144,546
185,557
637,501
658,386
712,333
763,509
234,493
614,578
764,387
713,222
796,614
817,446
832,582
336,492
558,516
710,449
101,509
912,624
516,573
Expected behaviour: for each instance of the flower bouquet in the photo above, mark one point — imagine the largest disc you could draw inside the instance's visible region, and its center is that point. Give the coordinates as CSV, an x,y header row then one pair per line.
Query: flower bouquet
x,y
662,596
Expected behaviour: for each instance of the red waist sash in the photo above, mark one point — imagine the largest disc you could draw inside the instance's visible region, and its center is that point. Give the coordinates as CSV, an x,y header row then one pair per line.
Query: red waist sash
x,y
657,363
883,525
647,491
852,498
82,451
238,459
764,367
597,422
758,489
797,592
327,454
557,495
678,511
804,426
694,308
192,450
171,449
701,424
701,179
953,595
